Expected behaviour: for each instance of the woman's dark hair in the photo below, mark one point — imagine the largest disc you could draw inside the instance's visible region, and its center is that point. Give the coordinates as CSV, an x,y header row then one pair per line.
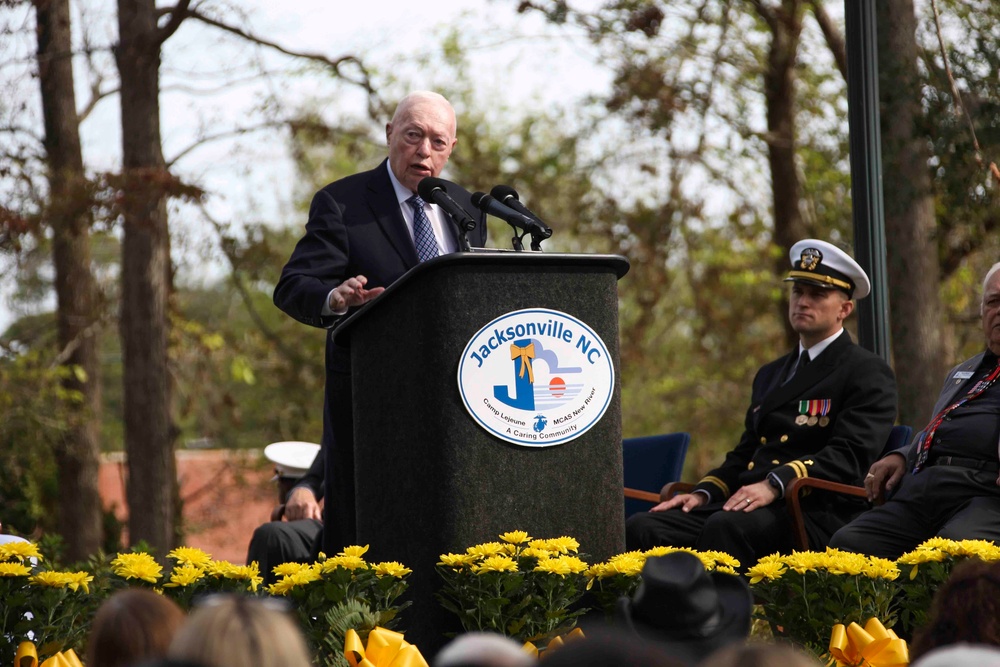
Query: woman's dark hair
x,y
132,626
965,609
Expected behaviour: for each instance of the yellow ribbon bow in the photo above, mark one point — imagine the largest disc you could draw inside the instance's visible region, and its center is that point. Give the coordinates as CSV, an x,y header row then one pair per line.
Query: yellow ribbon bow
x,y
526,353
870,646
27,656
385,649
556,642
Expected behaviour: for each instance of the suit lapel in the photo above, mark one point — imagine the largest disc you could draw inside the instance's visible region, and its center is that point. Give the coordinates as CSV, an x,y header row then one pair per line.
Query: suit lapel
x,y
806,377
382,201
956,387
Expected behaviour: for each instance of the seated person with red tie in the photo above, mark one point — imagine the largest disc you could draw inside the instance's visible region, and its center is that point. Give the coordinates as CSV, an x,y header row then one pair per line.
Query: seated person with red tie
x,y
946,481
824,410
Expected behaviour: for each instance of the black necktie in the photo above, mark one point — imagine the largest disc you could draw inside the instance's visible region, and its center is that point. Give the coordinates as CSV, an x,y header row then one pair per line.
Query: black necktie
x,y
799,364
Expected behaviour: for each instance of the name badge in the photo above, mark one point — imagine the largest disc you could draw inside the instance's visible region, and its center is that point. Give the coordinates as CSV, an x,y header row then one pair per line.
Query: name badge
x,y
962,375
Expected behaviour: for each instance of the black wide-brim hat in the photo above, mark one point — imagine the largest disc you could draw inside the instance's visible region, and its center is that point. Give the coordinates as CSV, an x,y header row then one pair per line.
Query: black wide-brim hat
x,y
689,610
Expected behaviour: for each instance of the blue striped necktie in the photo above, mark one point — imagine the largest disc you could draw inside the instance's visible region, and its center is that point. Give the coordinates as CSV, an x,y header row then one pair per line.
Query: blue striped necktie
x,y
423,235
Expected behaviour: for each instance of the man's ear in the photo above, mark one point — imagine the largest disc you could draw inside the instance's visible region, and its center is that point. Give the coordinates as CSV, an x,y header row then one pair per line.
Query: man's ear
x,y
846,309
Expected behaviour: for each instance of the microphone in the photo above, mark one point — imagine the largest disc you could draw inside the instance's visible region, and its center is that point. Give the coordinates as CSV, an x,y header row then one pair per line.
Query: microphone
x,y
507,196
488,204
434,190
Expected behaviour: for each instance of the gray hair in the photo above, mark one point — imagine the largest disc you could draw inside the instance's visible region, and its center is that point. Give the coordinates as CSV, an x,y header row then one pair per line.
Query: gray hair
x,y
986,282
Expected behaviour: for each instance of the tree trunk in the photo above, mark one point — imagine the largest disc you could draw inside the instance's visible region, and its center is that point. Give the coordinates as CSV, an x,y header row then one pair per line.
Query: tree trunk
x,y
78,454
914,300
785,22
145,283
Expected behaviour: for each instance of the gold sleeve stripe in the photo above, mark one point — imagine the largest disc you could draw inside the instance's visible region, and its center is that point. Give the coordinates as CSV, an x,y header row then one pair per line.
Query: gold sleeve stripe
x,y
711,479
799,468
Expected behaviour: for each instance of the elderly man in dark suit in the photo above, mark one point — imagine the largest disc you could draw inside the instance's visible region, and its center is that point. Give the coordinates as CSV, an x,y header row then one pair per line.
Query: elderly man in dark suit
x,y
952,489
363,233
825,410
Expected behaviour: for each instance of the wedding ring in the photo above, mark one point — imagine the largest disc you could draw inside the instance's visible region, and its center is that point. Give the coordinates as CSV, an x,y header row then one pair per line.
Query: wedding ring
x,y
749,501
869,475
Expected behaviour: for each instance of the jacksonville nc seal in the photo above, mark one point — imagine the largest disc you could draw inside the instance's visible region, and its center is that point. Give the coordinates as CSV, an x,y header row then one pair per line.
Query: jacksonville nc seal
x,y
536,377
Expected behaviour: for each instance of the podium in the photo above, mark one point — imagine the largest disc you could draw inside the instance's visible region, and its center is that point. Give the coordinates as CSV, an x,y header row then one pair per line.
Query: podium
x,y
429,478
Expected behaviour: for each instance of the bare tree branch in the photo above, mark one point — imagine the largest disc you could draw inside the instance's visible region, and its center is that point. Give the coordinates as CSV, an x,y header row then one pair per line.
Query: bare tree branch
x,y
336,65
218,136
833,36
177,14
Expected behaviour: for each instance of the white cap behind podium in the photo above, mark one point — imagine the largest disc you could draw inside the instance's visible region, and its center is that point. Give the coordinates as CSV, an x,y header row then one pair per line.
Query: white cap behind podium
x,y
291,458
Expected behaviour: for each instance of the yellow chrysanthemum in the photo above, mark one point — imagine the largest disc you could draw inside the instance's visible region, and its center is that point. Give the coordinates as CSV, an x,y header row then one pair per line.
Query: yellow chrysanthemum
x,y
770,570
14,570
845,563
52,579
720,560
19,551
497,563
220,569
137,566
184,555
392,569
346,562
185,575
540,554
515,537
553,566
354,551
284,569
563,545
881,568
282,586
627,564
457,561
918,556
307,576
663,551
487,549
248,573
575,564
980,549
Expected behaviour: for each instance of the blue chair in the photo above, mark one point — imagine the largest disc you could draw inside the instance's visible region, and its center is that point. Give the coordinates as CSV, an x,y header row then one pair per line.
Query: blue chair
x,y
648,463
898,437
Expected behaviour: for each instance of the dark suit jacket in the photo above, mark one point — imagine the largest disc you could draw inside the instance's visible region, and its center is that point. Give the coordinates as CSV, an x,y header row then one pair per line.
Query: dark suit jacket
x,y
950,392
355,227
861,389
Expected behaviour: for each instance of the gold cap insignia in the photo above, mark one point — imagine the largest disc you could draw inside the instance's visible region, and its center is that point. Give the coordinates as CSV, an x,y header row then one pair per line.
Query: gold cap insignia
x,y
810,259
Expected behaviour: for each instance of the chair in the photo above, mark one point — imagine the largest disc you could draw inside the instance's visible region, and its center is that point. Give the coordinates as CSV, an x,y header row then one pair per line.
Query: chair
x,y
648,463
899,436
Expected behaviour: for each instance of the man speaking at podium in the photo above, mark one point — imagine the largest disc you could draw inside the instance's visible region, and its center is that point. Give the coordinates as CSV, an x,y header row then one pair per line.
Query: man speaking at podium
x,y
364,232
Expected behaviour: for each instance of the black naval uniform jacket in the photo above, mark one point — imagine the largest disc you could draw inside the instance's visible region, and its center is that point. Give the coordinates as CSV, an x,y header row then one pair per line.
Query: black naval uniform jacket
x,y
861,392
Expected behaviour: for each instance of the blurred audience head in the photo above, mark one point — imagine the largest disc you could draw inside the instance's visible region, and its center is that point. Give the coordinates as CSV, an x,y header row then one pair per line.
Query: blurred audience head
x,y
483,649
132,626
965,609
609,647
759,654
960,655
230,630
690,611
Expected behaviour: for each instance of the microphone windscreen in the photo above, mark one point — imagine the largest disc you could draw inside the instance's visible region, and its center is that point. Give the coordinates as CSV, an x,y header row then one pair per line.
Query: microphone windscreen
x,y
429,185
502,192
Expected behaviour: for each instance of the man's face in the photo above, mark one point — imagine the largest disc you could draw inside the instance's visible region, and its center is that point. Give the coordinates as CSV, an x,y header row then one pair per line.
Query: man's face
x,y
991,313
817,312
420,141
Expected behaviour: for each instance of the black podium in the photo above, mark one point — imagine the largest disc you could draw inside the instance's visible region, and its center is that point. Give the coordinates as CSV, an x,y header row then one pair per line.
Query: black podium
x,y
429,478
